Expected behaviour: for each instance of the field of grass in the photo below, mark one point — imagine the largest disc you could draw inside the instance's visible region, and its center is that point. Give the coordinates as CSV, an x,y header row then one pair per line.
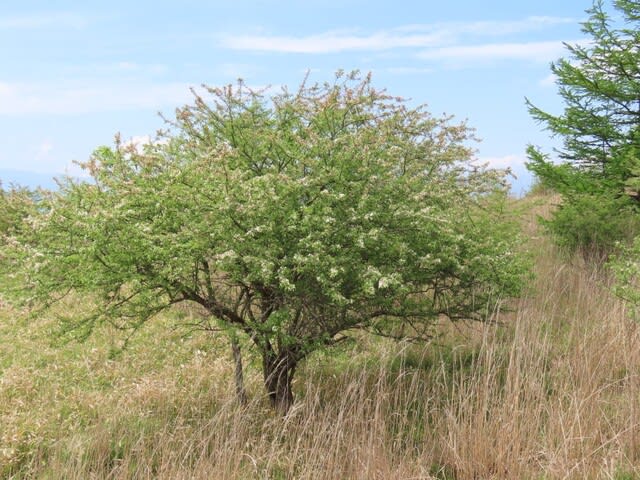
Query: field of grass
x,y
552,392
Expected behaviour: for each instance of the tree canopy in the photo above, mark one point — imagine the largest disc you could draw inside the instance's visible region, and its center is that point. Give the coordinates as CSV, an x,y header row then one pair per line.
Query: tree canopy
x,y
599,83
293,219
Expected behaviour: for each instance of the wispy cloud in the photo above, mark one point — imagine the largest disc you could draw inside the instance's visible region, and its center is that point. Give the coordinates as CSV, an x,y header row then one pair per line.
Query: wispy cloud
x,y
534,51
43,151
331,42
548,81
25,99
43,20
91,97
505,27
406,37
140,141
505,161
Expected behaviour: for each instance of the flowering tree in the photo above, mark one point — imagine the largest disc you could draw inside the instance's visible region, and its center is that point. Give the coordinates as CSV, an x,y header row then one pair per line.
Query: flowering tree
x,y
14,203
291,219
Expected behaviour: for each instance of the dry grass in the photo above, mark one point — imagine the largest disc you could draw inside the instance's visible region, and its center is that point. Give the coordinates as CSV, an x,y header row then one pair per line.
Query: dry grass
x,y
551,394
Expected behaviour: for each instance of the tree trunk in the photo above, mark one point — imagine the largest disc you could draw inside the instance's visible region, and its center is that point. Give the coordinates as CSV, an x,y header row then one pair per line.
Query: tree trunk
x,y
278,373
241,393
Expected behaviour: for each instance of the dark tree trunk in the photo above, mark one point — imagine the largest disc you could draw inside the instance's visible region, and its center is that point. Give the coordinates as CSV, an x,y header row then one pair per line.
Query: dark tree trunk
x,y
278,371
241,393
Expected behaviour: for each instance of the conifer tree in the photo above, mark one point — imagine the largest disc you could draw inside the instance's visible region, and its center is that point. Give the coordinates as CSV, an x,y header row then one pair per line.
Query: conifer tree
x,y
599,83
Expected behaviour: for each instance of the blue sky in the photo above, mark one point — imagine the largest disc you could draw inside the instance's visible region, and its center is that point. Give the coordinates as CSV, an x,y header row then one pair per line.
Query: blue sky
x,y
73,74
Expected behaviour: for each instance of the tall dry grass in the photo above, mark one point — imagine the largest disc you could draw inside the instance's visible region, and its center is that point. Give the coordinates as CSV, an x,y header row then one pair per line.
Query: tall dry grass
x,y
550,393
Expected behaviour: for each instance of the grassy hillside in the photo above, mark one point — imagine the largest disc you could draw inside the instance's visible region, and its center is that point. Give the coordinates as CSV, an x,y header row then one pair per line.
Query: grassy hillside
x,y
551,392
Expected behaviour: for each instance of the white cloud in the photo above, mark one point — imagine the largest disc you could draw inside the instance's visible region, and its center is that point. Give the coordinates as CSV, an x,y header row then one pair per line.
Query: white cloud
x,y
506,161
534,51
90,96
407,36
548,81
44,150
33,98
34,21
330,42
139,142
73,169
497,28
